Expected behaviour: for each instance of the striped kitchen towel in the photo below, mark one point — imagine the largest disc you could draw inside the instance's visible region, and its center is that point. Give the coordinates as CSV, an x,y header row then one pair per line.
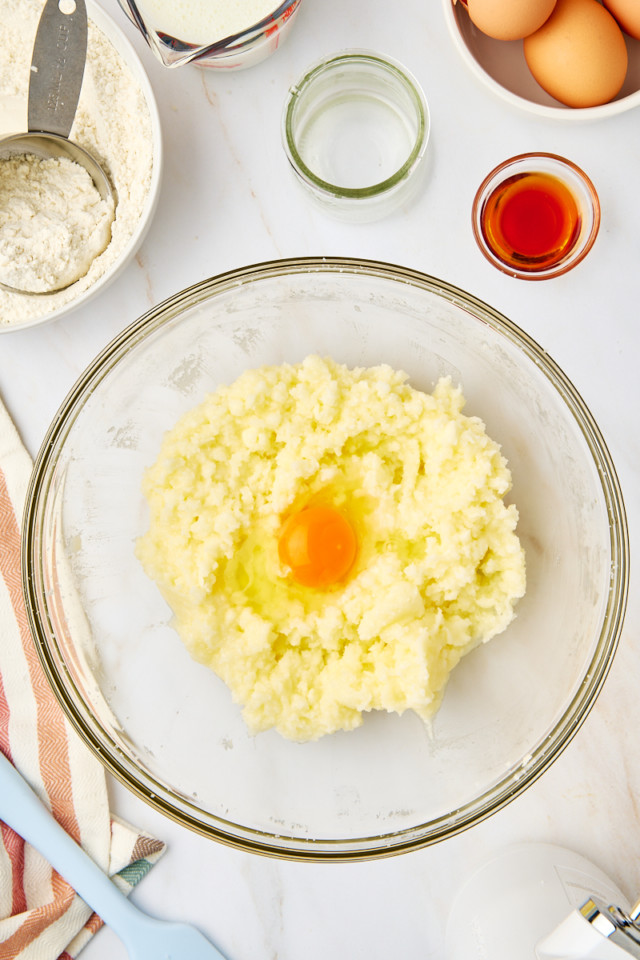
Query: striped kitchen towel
x,y
41,917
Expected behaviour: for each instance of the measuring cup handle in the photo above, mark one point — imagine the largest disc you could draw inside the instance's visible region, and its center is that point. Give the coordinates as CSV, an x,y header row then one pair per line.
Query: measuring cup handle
x,y
57,67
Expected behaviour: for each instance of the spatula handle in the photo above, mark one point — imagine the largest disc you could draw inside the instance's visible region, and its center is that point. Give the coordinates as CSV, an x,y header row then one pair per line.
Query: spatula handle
x,y
22,810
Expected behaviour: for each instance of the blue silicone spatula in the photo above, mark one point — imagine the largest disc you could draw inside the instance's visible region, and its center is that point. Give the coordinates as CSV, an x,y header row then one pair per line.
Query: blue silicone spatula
x,y
145,937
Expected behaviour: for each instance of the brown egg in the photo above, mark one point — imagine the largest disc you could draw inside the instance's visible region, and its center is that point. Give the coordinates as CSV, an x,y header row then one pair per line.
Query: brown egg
x,y
627,13
579,55
509,19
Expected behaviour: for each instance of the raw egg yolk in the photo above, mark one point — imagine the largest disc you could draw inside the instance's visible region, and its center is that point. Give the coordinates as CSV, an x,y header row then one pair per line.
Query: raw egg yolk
x,y
319,545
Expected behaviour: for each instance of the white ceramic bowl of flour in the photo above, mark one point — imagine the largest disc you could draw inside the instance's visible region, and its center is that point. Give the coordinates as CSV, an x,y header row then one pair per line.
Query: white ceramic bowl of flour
x,y
117,121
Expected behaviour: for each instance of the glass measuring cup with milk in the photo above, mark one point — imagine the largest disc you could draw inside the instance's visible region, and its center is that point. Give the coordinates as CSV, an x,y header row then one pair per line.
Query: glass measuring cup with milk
x,y
212,33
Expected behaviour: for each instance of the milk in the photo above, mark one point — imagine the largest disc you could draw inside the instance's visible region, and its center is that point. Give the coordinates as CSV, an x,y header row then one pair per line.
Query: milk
x,y
205,21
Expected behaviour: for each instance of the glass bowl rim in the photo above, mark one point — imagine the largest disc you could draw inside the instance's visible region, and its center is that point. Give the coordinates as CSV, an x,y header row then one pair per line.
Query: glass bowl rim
x,y
404,77
284,846
572,259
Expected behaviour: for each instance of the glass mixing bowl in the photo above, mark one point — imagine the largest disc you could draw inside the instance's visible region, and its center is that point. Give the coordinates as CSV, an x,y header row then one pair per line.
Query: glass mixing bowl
x,y
167,726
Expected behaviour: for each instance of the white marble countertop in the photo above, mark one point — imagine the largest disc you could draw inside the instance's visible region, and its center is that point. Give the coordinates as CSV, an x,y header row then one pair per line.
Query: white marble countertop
x,y
227,200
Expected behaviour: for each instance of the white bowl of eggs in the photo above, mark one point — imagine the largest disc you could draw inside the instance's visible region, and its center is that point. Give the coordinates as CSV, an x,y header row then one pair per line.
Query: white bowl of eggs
x,y
563,59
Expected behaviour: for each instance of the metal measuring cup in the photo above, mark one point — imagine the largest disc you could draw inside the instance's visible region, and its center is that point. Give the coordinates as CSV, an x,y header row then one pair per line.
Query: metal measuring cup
x,y
57,69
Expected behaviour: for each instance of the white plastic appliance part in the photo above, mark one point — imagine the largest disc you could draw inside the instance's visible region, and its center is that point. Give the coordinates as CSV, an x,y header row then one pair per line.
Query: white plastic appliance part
x,y
576,939
537,901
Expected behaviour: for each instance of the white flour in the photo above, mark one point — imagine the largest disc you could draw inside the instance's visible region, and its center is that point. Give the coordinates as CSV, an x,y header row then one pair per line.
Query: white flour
x,y
53,222
112,122
206,21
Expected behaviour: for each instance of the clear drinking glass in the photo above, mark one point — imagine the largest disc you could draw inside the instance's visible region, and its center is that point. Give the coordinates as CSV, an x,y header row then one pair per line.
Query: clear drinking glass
x,y
355,130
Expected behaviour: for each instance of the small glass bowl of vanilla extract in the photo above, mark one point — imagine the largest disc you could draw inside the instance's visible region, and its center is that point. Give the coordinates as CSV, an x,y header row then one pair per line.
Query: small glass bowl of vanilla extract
x,y
536,216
